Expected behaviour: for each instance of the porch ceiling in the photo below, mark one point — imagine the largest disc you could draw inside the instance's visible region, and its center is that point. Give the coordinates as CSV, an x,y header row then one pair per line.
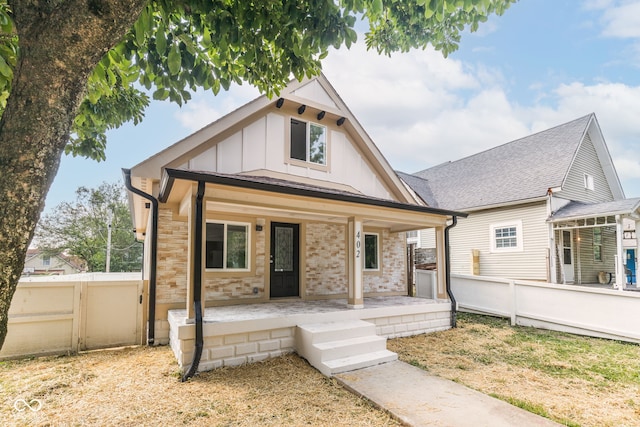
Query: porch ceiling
x,y
260,196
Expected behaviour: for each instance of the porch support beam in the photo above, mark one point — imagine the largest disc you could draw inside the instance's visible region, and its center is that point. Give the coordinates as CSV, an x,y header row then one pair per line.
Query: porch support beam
x,y
441,263
355,297
189,204
620,258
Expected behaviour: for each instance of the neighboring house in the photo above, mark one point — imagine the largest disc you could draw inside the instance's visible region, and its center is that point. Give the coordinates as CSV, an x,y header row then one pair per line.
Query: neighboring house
x,y
547,207
284,199
38,263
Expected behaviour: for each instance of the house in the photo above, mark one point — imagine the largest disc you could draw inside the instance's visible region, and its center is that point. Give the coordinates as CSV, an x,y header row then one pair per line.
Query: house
x,y
546,207
38,263
280,214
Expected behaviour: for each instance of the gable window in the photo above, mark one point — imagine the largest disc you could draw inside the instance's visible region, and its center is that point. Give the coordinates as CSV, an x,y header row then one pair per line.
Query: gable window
x,y
46,261
308,142
588,182
371,252
506,237
227,246
597,244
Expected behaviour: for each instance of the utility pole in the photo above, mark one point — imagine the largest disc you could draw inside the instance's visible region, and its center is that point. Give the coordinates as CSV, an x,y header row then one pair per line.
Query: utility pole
x,y
109,220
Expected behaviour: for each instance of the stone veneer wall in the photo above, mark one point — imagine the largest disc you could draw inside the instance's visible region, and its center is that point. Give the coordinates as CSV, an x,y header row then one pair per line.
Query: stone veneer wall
x,y
326,257
393,255
172,267
219,287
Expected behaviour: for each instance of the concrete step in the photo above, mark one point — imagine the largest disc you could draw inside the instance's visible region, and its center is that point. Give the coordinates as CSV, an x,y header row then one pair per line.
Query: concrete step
x,y
359,361
348,347
332,331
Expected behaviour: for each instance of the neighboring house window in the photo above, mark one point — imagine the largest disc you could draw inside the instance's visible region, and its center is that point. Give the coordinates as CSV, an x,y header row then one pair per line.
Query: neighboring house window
x,y
46,261
597,244
588,181
412,237
227,246
371,252
506,237
308,142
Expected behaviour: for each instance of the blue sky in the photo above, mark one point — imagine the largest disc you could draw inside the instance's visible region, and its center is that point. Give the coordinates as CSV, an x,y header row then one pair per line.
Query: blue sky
x,y
543,63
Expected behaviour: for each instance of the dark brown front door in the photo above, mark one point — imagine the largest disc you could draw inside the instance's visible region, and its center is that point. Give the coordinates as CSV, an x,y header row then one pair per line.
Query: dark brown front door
x,y
284,259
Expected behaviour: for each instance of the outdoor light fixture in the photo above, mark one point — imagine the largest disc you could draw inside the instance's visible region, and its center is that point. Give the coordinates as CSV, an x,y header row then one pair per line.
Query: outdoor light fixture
x,y
340,121
279,102
321,115
301,109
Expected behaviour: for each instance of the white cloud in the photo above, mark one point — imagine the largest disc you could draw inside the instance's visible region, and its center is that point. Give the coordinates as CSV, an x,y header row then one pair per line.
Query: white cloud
x,y
622,20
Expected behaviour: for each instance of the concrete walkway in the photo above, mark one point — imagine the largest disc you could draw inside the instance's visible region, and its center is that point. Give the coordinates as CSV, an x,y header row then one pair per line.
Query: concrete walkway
x,y
418,398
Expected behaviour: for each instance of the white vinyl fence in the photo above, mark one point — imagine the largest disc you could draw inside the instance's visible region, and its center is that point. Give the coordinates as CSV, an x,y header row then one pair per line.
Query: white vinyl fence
x,y
66,314
580,310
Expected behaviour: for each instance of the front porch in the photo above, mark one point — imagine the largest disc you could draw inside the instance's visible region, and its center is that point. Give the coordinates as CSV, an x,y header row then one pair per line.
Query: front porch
x,y
238,334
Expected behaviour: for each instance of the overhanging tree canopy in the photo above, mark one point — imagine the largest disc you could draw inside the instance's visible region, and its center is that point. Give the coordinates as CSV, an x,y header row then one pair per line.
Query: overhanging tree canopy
x,y
72,69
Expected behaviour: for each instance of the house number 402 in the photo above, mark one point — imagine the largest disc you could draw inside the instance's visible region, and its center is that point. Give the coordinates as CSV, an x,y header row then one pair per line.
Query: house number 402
x,y
358,244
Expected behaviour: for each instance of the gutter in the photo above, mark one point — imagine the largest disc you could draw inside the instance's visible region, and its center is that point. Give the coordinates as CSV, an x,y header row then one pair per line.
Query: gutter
x,y
447,279
197,284
154,257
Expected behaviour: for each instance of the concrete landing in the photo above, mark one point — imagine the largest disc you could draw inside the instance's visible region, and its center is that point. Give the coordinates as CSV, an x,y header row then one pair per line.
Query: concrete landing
x,y
418,398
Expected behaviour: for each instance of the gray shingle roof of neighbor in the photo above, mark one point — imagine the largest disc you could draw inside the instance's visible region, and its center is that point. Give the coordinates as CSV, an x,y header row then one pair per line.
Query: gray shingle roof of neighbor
x,y
582,210
420,186
520,170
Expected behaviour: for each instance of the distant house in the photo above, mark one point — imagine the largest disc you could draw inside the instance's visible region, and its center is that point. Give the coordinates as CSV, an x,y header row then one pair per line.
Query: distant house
x,y
39,263
545,207
283,201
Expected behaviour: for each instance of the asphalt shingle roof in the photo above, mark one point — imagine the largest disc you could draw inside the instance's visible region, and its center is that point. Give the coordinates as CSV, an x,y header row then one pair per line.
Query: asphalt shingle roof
x,y
420,186
581,210
516,171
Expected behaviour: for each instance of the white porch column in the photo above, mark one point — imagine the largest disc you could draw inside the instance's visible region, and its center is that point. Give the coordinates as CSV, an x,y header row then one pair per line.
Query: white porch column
x,y
553,266
356,254
441,264
620,258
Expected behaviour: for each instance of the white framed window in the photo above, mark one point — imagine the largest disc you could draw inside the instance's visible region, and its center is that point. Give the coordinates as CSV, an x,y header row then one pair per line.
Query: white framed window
x,y
588,182
46,260
371,251
597,244
308,142
506,236
227,246
413,237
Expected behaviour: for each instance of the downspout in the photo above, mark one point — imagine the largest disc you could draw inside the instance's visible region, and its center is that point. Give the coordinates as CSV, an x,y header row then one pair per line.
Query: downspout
x,y
154,257
447,269
197,284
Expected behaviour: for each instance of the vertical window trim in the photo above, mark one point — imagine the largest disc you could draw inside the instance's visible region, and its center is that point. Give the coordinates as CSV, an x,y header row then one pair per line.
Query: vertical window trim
x,y
364,258
507,224
224,246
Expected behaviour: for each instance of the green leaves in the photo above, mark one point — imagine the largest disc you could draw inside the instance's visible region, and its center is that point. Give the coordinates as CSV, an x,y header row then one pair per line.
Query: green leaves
x,y
174,60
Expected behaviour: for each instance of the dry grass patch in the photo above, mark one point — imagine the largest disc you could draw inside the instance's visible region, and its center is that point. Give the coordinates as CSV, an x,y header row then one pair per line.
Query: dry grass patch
x,y
570,379
141,386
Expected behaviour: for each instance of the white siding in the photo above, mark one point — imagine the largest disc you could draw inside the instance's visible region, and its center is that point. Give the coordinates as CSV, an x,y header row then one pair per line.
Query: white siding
x,y
474,233
586,162
254,145
427,238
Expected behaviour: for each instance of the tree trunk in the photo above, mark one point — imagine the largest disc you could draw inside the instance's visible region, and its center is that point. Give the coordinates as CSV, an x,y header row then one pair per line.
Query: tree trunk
x,y
60,44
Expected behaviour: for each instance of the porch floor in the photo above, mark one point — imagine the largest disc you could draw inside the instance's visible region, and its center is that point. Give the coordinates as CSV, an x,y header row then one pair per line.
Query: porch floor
x,y
293,307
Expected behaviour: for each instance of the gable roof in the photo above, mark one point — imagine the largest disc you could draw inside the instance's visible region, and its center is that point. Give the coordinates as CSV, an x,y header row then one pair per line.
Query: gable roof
x,y
420,186
315,93
519,171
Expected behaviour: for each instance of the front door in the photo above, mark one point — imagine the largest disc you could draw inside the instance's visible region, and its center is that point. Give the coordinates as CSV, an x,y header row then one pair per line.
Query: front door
x,y
284,260
631,266
567,256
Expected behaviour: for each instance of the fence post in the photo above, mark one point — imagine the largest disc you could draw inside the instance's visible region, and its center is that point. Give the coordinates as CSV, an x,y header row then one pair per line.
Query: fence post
x,y
75,325
513,304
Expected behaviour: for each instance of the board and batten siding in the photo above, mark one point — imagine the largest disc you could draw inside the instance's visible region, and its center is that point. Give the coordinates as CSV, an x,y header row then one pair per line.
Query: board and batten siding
x,y
262,146
474,232
586,162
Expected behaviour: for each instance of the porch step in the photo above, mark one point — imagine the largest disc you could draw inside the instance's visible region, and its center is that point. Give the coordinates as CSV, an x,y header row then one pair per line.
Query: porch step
x,y
336,347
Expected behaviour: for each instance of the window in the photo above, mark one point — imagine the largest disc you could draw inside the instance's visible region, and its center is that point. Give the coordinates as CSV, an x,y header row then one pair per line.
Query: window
x,y
308,142
597,244
371,258
506,237
588,181
227,246
46,260
413,237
